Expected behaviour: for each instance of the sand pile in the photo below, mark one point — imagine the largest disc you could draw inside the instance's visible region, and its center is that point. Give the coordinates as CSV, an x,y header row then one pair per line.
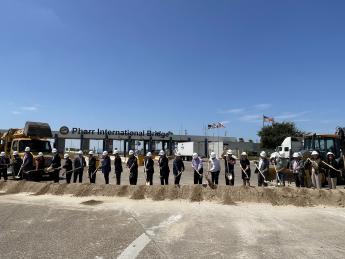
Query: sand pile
x,y
223,194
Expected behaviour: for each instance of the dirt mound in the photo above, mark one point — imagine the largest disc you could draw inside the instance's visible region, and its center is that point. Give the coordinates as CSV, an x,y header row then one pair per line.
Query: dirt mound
x,y
91,202
277,196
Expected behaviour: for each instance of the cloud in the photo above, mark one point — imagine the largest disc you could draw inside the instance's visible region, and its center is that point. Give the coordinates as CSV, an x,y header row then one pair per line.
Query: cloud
x,y
253,118
16,112
29,108
234,111
290,115
262,106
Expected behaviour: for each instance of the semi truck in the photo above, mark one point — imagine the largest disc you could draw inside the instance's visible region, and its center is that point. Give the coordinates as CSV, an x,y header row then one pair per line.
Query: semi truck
x,y
187,149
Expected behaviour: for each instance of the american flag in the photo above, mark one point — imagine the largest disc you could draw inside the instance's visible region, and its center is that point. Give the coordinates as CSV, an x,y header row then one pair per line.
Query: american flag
x,y
268,119
217,125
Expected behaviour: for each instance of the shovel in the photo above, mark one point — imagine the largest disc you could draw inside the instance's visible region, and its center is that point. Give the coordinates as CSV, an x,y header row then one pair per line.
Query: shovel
x,y
146,182
262,174
278,178
247,177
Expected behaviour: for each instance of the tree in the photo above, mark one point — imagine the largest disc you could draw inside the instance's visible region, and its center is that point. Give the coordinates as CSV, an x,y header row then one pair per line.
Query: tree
x,y
273,135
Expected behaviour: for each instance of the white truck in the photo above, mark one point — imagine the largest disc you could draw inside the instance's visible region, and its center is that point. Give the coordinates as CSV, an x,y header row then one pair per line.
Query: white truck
x,y
290,145
187,149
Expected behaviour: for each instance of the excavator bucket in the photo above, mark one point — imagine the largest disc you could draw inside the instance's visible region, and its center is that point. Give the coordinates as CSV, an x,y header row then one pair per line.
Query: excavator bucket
x,y
37,129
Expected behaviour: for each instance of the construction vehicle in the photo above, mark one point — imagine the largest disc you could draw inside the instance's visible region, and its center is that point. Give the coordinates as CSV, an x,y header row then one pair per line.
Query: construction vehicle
x,y
34,135
322,143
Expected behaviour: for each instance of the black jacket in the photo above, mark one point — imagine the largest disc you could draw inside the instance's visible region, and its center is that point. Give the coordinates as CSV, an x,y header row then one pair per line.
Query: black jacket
x,y
77,163
229,164
178,166
163,163
118,164
4,163
132,164
245,163
92,164
106,164
149,165
56,161
331,172
17,163
68,165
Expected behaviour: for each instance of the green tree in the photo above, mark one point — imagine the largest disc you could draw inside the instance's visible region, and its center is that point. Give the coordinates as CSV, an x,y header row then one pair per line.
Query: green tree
x,y
273,135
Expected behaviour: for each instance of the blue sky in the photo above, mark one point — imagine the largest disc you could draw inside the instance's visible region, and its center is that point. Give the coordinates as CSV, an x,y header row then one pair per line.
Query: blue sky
x,y
172,65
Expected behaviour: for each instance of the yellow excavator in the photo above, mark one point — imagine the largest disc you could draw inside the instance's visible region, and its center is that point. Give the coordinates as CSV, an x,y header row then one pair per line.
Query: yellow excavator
x,y
34,135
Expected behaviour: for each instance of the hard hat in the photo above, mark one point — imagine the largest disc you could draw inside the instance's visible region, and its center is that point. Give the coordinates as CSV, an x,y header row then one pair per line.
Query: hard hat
x,y
149,154
178,154
295,155
80,152
116,151
27,149
40,154
195,155
105,153
54,150
314,153
263,154
161,153
229,152
15,153
2,154
244,154
213,155
131,152
66,156
91,153
330,153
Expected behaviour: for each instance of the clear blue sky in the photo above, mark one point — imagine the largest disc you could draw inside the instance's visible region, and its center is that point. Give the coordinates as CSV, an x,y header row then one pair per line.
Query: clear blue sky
x,y
173,64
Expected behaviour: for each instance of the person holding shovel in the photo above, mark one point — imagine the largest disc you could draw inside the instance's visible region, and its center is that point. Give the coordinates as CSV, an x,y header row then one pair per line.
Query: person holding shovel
x,y
332,170
106,166
178,168
16,163
230,162
56,165
40,165
297,167
92,167
79,165
4,163
118,167
215,168
198,168
279,166
149,168
132,165
245,169
68,166
164,169
28,162
262,169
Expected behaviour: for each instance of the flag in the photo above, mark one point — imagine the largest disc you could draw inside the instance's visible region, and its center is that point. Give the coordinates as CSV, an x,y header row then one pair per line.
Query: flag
x,y
217,125
268,119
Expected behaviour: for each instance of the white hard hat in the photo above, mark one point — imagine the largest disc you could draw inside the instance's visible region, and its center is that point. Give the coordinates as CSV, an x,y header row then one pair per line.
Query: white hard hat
x,y
54,150
195,155
229,152
213,155
244,154
66,156
80,152
91,152
15,153
149,154
116,151
295,155
161,153
131,152
27,149
178,154
105,153
40,154
2,154
330,153
314,153
263,154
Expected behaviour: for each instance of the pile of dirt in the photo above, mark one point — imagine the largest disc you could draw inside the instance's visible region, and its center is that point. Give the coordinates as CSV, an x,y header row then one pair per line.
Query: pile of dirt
x,y
91,202
277,196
